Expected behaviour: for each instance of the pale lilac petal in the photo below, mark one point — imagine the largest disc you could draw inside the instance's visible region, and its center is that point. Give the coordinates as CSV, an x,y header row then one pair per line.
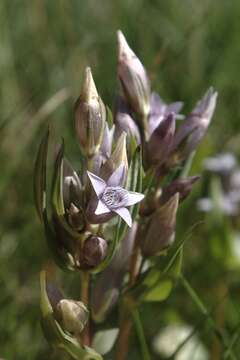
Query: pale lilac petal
x,y
117,176
125,215
133,198
98,184
101,208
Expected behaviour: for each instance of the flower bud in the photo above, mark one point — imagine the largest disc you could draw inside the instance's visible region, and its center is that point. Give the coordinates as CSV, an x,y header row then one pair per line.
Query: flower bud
x,y
73,315
160,141
134,80
161,228
93,252
181,186
90,116
124,121
117,158
193,128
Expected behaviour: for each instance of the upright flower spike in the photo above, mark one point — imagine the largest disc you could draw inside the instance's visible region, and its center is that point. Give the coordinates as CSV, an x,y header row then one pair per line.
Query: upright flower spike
x,y
134,80
112,198
90,115
194,127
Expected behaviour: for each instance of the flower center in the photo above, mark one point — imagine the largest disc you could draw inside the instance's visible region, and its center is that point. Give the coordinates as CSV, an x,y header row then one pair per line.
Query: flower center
x,y
114,197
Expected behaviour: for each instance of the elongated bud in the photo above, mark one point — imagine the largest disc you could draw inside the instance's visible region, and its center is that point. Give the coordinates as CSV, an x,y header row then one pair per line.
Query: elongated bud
x,y
161,228
124,121
93,253
181,186
90,115
134,80
193,128
117,158
160,141
73,315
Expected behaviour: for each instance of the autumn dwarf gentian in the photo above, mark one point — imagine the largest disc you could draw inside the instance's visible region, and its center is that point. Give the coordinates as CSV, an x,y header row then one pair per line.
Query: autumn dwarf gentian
x,y
113,198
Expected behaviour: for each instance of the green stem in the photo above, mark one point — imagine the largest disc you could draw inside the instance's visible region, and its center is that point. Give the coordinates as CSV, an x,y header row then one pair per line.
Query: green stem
x,y
141,336
85,299
198,302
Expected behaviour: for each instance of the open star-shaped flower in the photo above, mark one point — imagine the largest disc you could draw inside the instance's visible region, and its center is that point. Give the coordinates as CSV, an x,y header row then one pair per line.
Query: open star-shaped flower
x,y
113,198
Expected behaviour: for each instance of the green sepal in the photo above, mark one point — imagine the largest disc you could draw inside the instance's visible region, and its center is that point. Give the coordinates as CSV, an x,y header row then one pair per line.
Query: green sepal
x,y
109,117
57,193
54,333
39,176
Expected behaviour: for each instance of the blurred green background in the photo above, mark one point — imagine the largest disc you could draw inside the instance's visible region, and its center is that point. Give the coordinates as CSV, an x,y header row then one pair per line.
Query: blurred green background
x,y
186,46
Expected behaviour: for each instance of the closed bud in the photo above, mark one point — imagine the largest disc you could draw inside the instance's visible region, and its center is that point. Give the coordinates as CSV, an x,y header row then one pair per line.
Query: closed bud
x,y
93,252
134,80
90,115
193,128
160,141
73,315
117,158
181,186
161,228
124,121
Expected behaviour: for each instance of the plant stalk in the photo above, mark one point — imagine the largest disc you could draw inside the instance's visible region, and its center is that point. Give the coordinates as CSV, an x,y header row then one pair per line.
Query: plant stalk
x,y
85,277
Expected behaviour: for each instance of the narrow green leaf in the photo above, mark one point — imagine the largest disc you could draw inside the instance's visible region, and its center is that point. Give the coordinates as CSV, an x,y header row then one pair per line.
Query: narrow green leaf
x,y
39,176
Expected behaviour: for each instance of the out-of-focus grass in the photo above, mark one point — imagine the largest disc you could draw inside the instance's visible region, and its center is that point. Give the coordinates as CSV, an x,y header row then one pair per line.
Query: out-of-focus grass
x,y
44,46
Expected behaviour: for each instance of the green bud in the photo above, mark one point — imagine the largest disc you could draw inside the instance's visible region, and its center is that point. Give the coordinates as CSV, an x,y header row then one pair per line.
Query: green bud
x,y
90,115
73,315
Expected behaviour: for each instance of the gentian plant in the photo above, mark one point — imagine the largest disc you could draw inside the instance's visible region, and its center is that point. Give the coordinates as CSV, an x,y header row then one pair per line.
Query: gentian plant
x,y
113,219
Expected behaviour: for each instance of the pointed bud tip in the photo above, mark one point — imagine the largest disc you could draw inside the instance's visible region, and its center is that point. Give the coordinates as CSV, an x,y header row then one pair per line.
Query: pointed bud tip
x,y
89,90
124,49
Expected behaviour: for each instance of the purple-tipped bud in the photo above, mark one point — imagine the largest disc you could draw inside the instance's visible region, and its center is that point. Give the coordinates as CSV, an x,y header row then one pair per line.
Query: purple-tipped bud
x,y
72,315
133,78
124,121
161,229
160,111
181,186
193,128
160,141
93,253
117,158
90,115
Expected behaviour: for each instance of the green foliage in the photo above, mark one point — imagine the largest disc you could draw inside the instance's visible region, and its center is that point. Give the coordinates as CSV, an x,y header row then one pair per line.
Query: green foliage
x,y
45,46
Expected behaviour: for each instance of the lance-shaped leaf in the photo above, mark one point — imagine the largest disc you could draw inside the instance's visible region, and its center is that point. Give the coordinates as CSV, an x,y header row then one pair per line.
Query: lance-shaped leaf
x,y
39,180
54,332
